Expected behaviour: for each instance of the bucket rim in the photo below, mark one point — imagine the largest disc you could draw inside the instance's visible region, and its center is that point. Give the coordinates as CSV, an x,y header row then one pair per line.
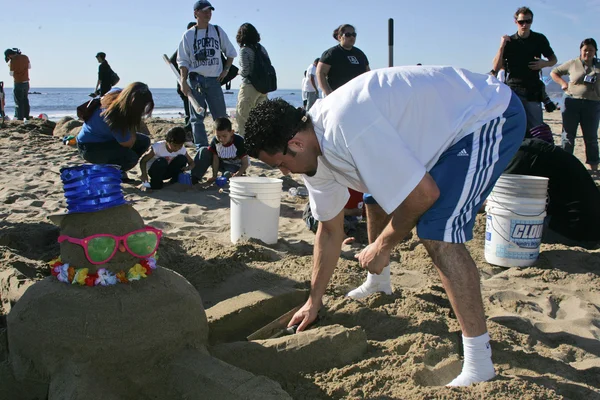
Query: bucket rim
x,y
530,178
254,180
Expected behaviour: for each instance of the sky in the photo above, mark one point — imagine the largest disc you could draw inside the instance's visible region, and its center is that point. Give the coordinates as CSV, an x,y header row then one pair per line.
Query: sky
x,y
62,37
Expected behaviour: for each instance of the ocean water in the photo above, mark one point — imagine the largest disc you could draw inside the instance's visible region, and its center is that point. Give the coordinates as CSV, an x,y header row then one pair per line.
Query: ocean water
x,y
60,102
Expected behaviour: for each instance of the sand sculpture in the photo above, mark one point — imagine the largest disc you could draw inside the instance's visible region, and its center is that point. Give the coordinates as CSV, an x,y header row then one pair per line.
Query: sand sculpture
x,y
111,324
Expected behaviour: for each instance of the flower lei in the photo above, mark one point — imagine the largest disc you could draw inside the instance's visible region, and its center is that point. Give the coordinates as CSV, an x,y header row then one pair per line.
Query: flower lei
x,y
103,277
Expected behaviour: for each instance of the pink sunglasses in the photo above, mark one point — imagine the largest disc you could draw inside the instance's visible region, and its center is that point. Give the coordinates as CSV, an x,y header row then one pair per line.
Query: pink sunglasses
x,y
102,247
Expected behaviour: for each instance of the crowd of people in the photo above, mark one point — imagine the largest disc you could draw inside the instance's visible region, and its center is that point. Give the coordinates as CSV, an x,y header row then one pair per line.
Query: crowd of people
x,y
445,156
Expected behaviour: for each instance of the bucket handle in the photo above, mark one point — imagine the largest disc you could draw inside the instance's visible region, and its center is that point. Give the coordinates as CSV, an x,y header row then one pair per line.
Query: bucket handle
x,y
234,195
520,215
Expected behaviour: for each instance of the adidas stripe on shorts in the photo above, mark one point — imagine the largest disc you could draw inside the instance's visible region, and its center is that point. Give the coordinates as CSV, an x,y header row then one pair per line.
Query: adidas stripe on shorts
x,y
466,173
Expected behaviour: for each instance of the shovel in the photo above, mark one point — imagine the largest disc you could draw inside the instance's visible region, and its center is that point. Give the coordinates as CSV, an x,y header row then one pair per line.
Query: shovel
x,y
276,328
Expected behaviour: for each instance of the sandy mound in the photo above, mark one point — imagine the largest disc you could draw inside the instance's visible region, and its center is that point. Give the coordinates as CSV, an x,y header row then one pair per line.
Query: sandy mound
x,y
544,320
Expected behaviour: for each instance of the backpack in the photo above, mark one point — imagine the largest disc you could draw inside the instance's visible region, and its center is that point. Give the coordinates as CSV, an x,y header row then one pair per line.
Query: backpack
x,y
263,76
85,110
114,78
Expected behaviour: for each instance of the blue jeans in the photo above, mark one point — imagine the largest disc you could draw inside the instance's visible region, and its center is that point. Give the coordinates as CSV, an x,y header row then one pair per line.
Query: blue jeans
x,y
587,114
113,153
20,93
206,90
311,98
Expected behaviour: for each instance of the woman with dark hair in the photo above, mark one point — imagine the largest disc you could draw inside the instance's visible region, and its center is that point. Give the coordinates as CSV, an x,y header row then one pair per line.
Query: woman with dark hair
x,y
248,97
111,134
582,104
341,63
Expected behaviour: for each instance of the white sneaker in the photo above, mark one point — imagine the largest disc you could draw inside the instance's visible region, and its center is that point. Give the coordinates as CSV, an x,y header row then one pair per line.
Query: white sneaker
x,y
368,288
373,284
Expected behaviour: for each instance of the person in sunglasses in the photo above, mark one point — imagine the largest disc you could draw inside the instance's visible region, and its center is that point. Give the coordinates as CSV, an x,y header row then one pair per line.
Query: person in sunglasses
x,y
428,144
521,57
341,63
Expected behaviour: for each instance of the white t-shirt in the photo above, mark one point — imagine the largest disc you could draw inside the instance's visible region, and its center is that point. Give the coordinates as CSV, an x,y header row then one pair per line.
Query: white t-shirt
x,y
304,95
160,150
308,86
383,130
209,44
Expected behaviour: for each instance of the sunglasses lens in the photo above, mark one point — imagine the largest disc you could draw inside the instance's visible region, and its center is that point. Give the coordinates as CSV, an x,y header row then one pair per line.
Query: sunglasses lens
x,y
142,243
100,248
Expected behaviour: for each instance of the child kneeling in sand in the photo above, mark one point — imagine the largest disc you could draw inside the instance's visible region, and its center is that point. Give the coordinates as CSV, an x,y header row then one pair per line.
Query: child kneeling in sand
x,y
166,159
226,153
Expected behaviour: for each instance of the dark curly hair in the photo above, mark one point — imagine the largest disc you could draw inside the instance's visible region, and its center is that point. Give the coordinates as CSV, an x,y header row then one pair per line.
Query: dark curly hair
x,y
176,135
247,35
271,124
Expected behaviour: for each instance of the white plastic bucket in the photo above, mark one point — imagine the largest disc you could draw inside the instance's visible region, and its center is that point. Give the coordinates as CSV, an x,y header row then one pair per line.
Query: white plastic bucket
x,y
255,204
515,209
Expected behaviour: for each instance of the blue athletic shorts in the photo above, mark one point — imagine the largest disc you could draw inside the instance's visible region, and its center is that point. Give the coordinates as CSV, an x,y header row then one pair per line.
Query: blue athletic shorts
x,y
466,174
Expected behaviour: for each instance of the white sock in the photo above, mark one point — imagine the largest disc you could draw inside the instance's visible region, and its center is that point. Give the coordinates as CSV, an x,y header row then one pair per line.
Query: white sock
x,y
478,366
374,283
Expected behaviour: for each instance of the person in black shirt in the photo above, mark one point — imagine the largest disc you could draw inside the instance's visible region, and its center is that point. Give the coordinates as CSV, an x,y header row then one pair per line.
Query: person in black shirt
x,y
573,198
341,63
520,55
104,75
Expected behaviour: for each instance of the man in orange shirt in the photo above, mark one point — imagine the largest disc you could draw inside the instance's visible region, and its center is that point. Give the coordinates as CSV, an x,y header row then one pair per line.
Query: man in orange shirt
x,y
19,69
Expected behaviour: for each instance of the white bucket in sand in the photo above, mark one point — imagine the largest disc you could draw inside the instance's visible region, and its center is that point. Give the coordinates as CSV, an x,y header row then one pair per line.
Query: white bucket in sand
x,y
255,204
515,209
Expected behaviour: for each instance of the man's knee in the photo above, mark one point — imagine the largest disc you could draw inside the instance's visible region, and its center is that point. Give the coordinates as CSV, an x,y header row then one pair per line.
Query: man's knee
x,y
444,251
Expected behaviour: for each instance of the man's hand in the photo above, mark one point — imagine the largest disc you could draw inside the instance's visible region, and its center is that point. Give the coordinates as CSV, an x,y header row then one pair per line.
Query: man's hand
x,y
503,40
373,259
537,64
223,74
185,88
305,316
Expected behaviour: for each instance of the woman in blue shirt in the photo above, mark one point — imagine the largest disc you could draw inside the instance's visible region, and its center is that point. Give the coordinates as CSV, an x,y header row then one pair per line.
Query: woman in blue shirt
x,y
110,135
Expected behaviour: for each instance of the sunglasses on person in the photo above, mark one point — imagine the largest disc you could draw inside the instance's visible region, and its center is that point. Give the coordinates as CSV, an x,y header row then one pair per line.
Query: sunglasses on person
x,y
525,21
349,34
102,247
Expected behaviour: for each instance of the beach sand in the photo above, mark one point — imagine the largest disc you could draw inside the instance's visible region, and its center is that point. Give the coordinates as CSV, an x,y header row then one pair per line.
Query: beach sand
x,y
544,320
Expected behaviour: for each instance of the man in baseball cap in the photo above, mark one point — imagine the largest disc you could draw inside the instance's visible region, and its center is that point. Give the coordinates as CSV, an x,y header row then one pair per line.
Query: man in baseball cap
x,y
202,5
204,57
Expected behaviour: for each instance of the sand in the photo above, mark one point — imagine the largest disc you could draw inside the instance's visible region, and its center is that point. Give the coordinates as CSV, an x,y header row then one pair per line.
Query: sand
x,y
544,320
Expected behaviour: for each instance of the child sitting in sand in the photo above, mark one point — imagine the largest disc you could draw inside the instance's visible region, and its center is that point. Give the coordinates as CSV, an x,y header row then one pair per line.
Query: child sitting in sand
x,y
226,153
165,159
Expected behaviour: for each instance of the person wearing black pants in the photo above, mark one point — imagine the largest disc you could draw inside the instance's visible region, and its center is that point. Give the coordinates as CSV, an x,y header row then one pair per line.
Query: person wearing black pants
x,y
582,104
161,170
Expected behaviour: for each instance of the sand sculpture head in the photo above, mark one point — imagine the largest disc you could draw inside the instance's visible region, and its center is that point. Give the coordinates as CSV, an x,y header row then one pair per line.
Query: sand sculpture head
x,y
102,238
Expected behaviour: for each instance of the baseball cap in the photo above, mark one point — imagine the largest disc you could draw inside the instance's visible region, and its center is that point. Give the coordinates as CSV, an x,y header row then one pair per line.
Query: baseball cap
x,y
101,54
202,5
